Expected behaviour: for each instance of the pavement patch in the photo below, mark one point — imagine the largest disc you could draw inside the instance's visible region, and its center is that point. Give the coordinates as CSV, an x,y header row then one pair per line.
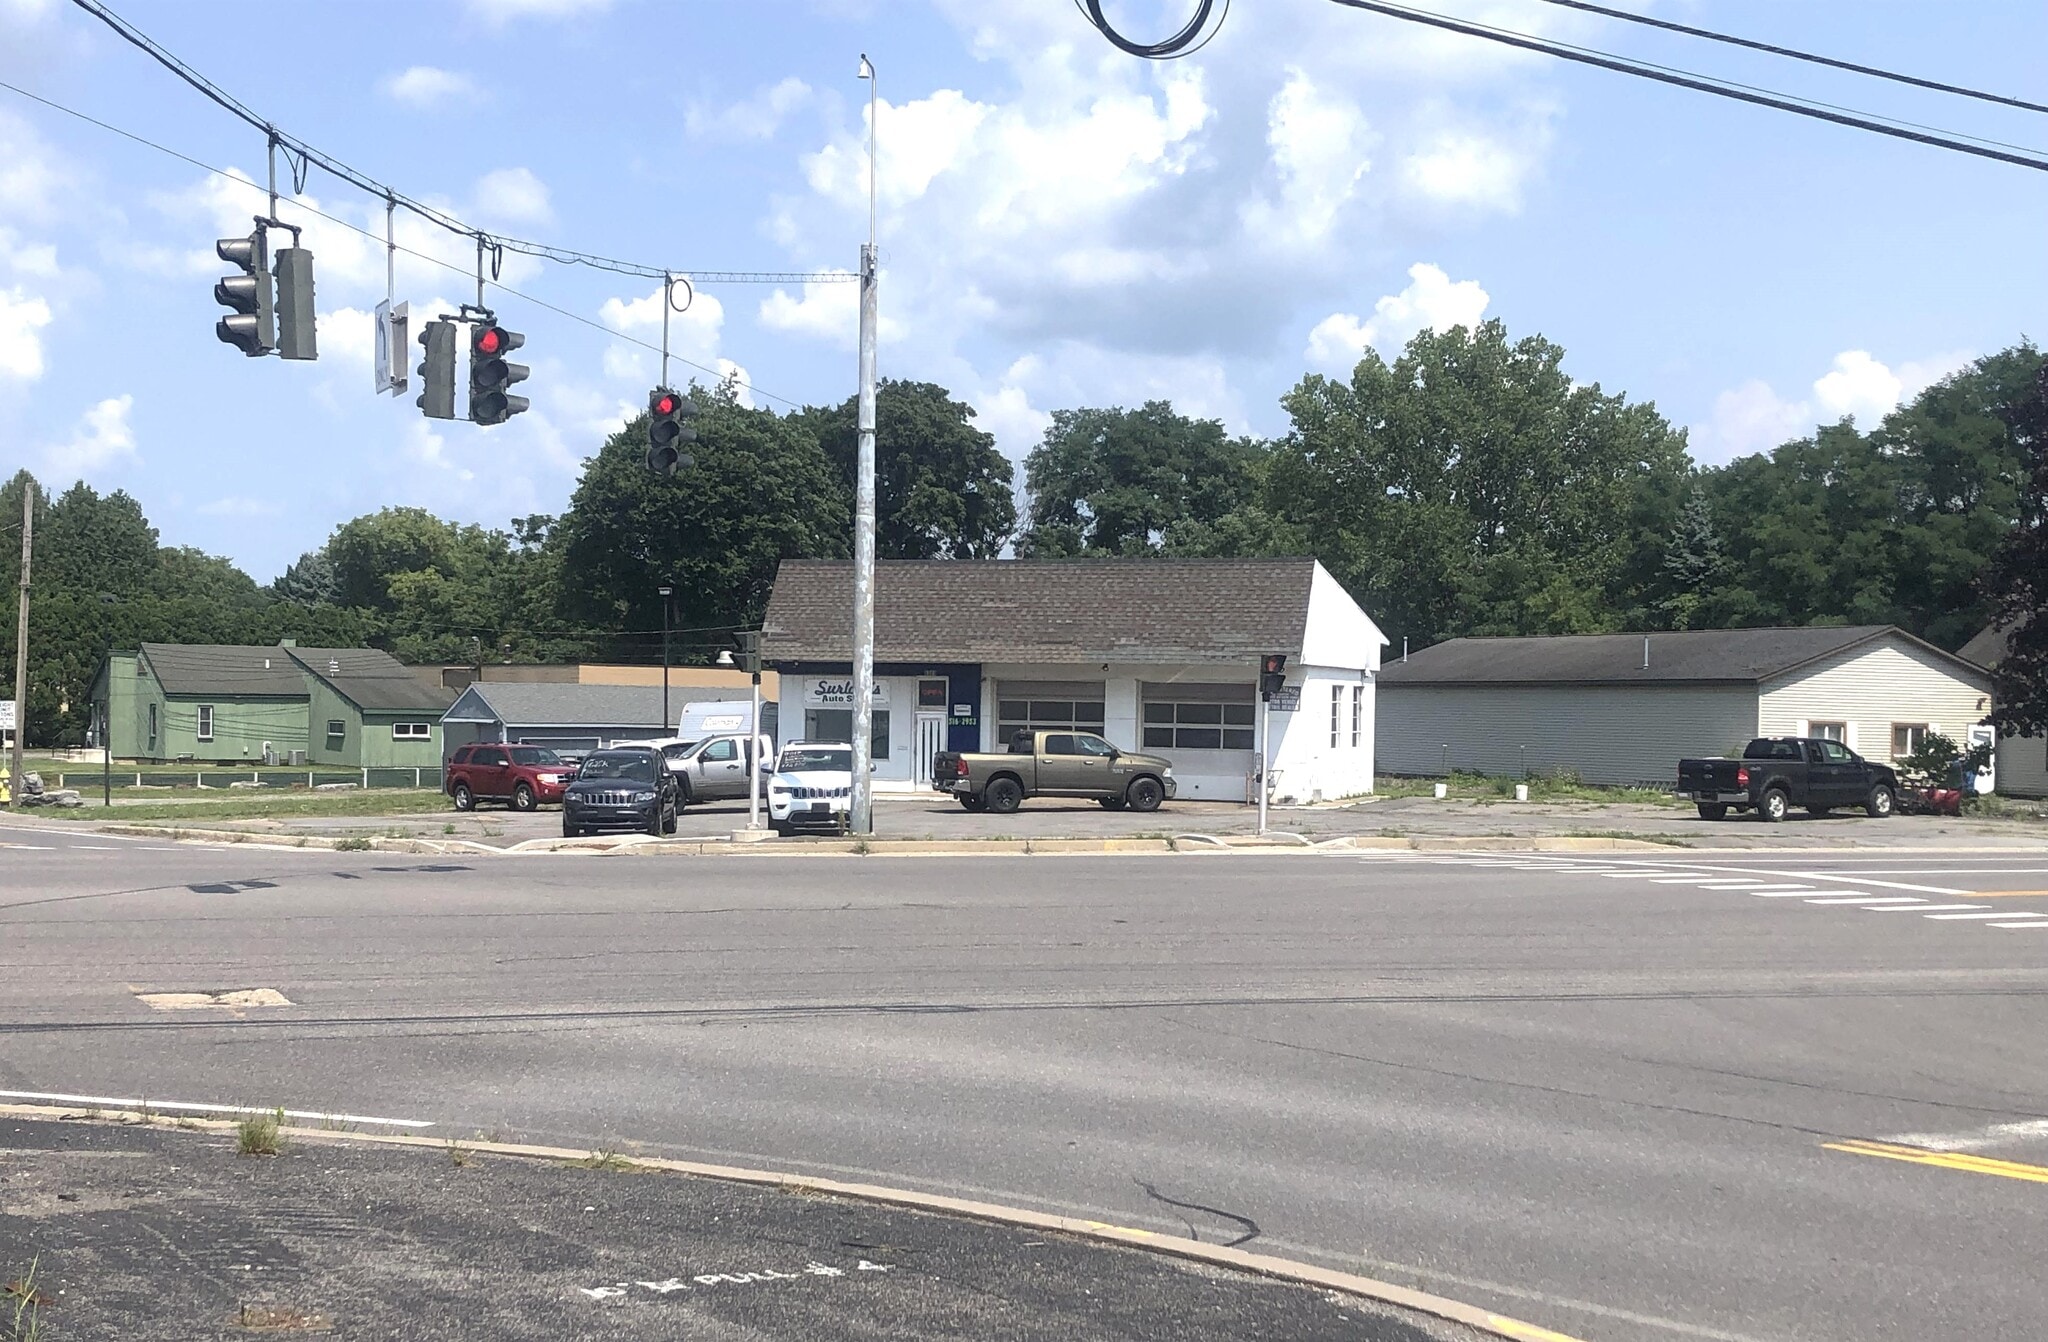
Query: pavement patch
x,y
228,998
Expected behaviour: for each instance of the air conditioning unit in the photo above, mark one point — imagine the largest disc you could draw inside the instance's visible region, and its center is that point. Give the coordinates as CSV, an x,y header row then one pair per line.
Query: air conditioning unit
x,y
298,759
269,756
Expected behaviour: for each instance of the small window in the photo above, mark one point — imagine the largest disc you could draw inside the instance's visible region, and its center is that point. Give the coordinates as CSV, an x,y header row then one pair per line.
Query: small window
x,y
489,757
336,730
1095,745
462,755
1834,753
206,722
412,731
721,751
152,728
1907,737
932,694
1357,715
1336,715
1060,745
1830,731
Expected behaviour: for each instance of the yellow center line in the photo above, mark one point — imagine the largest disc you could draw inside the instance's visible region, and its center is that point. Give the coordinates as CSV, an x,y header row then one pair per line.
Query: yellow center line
x,y
1947,1160
1516,1328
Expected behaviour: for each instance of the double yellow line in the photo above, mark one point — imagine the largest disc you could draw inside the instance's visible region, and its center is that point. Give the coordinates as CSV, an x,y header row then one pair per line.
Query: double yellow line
x,y
1947,1160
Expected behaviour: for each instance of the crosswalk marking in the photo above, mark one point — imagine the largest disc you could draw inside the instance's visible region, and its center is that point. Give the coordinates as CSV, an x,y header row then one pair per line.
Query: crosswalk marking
x,y
2042,923
1942,917
1869,899
1927,909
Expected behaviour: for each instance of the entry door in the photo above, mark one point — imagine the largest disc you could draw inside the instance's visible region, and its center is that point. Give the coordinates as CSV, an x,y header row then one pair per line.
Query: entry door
x,y
931,739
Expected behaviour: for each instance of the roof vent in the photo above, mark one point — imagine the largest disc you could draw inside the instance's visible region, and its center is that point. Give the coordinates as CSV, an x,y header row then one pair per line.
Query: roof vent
x,y
266,663
1646,652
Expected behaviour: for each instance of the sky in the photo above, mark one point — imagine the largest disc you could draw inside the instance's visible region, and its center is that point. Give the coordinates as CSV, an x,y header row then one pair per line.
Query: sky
x,y
1060,225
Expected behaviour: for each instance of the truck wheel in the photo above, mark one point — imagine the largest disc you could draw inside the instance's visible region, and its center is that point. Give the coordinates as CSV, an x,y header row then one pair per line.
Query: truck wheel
x,y
1111,803
570,831
1713,811
1003,796
1879,804
682,793
465,800
1774,806
970,803
1145,794
522,798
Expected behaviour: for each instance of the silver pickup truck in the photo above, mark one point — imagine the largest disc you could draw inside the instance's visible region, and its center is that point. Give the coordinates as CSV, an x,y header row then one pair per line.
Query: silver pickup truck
x,y
713,769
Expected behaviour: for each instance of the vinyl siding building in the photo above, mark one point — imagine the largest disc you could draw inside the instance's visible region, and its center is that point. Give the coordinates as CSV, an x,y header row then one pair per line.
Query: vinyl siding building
x,y
2020,768
1624,708
576,718
1160,655
366,710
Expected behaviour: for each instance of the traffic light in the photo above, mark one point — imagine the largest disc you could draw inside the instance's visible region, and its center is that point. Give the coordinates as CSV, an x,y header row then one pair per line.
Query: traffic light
x,y
491,377
668,430
295,331
1272,673
253,328
437,370
750,651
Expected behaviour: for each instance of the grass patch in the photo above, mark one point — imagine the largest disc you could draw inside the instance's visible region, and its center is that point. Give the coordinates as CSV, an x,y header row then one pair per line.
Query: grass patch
x,y
2004,808
261,1134
1562,785
460,1156
27,1301
256,806
355,845
606,1159
1668,840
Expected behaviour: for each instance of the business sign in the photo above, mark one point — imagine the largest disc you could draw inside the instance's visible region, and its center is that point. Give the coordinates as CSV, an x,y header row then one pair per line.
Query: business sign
x,y
1287,700
837,692
724,722
6,715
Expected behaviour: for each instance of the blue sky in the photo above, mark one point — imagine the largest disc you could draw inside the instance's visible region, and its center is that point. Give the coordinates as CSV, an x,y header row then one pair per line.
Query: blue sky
x,y
1061,225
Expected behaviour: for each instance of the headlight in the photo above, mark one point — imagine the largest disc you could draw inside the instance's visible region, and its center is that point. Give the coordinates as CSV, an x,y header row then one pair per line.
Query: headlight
x,y
1168,771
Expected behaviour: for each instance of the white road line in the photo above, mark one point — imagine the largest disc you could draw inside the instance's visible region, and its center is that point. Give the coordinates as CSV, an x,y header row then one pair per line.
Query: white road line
x,y
1784,892
110,1102
1925,908
1645,875
1779,873
1942,917
1868,899
1998,1134
2042,923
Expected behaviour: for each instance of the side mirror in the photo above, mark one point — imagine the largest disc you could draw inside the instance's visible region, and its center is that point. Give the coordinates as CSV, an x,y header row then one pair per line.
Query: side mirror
x,y
872,766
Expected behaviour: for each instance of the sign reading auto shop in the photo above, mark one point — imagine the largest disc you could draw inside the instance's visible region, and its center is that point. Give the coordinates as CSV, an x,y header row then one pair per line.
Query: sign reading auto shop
x,y
837,692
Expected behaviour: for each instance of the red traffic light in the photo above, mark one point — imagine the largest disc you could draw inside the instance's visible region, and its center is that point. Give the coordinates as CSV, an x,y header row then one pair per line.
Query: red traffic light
x,y
490,341
1275,664
665,405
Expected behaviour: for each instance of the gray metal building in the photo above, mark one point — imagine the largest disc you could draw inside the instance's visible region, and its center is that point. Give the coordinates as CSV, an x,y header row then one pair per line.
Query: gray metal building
x,y
560,716
1623,708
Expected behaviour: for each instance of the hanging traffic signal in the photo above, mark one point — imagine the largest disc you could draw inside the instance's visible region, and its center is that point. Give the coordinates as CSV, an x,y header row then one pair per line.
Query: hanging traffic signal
x,y
253,328
668,430
1272,673
295,328
491,377
437,370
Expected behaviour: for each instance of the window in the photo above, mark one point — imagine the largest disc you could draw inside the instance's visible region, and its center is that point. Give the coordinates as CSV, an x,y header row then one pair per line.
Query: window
x,y
1199,717
1908,737
1061,745
206,722
1096,746
462,755
1829,731
489,758
931,694
337,730
411,731
724,751
1357,715
1336,714
1833,753
836,724
152,729
1047,706
533,756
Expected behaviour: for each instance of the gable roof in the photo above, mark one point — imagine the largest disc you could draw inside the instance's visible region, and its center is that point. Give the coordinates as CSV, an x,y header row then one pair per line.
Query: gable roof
x,y
229,670
556,704
371,680
1696,656
1044,610
1988,649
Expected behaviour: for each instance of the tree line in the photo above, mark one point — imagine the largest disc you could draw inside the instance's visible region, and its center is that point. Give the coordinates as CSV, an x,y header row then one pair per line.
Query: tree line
x,y
1467,486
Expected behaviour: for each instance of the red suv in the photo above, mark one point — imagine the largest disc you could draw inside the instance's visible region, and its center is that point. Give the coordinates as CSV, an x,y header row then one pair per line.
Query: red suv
x,y
520,776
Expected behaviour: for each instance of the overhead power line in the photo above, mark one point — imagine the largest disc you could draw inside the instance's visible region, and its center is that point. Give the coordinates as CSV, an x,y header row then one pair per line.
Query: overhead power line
x,y
309,154
1182,43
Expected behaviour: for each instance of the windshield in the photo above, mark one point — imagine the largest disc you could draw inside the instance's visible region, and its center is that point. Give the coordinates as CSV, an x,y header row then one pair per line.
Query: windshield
x,y
534,755
635,768
815,761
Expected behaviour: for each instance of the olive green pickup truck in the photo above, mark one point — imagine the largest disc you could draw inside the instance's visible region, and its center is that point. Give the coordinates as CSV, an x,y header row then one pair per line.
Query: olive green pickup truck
x,y
1054,764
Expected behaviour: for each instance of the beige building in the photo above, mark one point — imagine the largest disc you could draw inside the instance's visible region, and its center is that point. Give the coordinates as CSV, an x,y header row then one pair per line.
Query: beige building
x,y
1624,708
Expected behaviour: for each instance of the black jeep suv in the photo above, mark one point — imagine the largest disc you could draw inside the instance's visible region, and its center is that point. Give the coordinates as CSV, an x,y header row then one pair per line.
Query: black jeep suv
x,y
625,787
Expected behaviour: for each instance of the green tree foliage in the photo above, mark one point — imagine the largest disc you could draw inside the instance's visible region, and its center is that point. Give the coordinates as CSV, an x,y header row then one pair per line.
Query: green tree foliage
x,y
942,490
761,491
1470,487
2016,581
1134,482
1695,567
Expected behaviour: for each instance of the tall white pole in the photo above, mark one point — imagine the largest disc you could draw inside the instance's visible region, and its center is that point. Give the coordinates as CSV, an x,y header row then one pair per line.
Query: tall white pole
x,y
1265,753
754,751
861,818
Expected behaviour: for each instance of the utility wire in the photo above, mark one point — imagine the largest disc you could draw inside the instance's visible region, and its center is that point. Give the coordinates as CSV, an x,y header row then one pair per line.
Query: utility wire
x,y
1793,54
1182,43
2025,158
463,271
362,181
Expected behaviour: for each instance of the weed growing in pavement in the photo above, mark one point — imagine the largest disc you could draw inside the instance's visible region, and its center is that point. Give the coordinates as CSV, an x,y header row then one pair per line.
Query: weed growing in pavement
x,y
261,1134
448,828
459,1155
352,845
861,847
1668,840
27,1322
607,1158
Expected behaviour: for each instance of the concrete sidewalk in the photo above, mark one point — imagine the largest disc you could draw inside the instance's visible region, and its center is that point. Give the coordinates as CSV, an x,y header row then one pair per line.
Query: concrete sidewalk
x,y
144,1230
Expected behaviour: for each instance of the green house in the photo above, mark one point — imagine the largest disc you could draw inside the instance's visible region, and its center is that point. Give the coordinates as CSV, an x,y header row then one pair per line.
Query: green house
x,y
366,711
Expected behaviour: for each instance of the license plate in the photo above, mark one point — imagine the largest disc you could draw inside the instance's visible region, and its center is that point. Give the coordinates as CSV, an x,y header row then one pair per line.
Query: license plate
x,y
819,808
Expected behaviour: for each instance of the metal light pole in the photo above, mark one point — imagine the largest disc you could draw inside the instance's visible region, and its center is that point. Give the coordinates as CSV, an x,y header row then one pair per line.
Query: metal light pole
x,y
28,524
1265,752
861,817
750,645
666,592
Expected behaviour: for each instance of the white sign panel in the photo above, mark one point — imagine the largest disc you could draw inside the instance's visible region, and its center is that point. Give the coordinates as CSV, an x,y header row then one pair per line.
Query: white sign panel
x,y
392,325
1287,699
837,692
6,715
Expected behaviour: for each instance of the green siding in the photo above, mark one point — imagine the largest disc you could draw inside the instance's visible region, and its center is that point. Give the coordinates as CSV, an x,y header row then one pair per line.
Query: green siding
x,y
382,750
241,727
330,707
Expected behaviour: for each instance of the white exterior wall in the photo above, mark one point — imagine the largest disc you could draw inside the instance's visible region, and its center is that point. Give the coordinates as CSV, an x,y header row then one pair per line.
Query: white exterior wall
x,y
1306,767
2022,768
1606,734
1872,687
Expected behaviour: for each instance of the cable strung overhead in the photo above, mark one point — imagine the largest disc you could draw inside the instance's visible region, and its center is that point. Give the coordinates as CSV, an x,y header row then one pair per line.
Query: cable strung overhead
x,y
1182,43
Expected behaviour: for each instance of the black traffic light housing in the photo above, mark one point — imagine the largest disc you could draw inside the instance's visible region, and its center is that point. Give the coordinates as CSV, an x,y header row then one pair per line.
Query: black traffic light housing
x,y
491,376
253,327
295,315
1272,674
669,413
437,370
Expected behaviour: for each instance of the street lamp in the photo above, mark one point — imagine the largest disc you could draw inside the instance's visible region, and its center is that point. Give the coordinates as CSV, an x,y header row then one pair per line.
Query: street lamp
x,y
666,593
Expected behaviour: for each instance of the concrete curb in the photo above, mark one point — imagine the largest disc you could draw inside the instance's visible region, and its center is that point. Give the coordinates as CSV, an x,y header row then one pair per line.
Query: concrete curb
x,y
1255,1264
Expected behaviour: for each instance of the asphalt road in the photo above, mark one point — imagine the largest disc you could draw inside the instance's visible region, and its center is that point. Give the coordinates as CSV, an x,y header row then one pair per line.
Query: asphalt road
x,y
1623,1096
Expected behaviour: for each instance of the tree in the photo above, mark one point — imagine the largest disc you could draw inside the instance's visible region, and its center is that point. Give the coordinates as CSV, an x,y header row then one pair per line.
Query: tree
x,y
1133,482
2016,581
1694,566
309,581
761,491
942,490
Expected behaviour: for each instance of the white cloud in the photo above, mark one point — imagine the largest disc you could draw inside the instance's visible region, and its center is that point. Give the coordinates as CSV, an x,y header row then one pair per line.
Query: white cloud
x,y
102,439
1468,170
828,310
350,335
1321,147
513,195
1431,302
428,87
1755,418
756,118
22,317
31,179
693,334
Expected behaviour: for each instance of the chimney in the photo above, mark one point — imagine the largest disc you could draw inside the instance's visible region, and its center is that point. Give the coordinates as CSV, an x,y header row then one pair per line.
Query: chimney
x,y
1646,652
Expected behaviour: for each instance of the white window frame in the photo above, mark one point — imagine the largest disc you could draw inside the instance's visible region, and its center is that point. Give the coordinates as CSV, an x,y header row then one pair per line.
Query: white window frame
x,y
204,732
1336,716
1357,715
1813,729
412,731
333,735
1925,729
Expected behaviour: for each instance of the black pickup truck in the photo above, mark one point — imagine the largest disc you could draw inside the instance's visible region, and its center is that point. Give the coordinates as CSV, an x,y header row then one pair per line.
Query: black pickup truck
x,y
1777,773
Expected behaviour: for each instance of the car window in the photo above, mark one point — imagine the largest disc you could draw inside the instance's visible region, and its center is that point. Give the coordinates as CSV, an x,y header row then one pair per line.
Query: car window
x,y
490,757
462,755
722,750
1060,745
534,755
1835,753
674,754
813,760
636,767
1095,745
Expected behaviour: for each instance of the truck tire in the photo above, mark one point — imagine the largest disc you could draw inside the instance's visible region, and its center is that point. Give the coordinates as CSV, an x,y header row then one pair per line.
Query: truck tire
x,y
464,799
970,802
1819,812
1144,794
683,797
1774,805
1111,803
1002,796
1713,810
522,798
1880,803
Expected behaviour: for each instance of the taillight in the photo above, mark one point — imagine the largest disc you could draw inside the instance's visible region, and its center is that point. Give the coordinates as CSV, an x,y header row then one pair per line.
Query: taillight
x,y
1742,776
960,769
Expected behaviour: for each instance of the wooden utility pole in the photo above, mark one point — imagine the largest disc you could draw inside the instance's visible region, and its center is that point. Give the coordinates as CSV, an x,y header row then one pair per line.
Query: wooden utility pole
x,y
28,525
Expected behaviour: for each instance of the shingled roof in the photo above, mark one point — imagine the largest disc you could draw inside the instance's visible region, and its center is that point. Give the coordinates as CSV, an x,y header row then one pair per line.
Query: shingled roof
x,y
225,669
371,680
1044,611
1736,656
561,704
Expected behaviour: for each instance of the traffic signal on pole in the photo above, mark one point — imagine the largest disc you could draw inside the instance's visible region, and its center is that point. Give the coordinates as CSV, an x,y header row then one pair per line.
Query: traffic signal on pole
x,y
295,329
750,651
668,430
253,328
491,377
1272,673
437,370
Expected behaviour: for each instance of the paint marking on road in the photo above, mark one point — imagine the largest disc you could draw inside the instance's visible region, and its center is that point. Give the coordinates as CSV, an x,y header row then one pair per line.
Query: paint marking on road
x,y
1922,908
194,1107
1998,1134
2006,894
1845,878
230,998
1516,1328
1646,875
2042,923
1868,899
1913,1155
1942,917
1785,892
29,847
